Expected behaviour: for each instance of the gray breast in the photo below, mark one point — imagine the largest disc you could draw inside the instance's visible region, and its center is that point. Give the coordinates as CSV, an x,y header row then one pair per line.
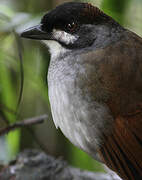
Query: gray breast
x,y
78,115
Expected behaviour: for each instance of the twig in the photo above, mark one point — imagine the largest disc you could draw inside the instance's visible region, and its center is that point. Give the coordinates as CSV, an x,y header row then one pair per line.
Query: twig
x,y
24,123
19,47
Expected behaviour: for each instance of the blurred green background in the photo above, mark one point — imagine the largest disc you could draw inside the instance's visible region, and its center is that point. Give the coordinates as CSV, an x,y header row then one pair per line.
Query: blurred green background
x,y
31,69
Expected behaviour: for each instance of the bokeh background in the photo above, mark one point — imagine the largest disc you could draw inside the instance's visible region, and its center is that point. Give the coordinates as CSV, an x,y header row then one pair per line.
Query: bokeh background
x,y
23,68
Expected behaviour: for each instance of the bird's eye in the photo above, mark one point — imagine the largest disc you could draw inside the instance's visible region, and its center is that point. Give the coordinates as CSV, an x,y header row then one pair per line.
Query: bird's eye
x,y
71,27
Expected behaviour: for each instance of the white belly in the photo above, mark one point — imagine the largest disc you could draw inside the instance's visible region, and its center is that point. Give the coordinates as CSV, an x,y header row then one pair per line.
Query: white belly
x,y
77,119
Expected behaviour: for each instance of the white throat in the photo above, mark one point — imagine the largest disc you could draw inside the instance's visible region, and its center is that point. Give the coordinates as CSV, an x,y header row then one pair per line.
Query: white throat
x,y
55,48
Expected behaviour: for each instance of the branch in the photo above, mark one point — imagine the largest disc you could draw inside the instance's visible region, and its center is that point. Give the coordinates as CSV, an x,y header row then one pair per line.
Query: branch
x,y
24,123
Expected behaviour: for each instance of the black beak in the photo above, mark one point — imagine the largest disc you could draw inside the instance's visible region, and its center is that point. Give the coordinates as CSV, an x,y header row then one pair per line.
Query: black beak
x,y
36,33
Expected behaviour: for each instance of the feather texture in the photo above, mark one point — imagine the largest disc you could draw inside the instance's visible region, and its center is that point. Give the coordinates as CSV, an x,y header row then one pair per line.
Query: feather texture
x,y
122,150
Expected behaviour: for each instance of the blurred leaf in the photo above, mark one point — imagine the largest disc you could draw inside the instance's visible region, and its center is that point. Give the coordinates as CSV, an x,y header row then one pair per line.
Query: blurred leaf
x,y
6,11
116,9
82,160
8,94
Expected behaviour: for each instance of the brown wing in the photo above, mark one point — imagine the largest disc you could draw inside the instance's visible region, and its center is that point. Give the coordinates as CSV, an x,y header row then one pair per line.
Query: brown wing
x,y
120,73
122,150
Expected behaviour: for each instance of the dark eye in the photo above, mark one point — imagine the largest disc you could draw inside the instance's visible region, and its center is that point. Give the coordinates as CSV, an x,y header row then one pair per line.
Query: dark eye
x,y
71,27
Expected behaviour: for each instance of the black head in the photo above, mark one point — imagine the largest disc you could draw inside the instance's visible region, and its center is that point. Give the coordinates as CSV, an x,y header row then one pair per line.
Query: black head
x,y
68,13
73,25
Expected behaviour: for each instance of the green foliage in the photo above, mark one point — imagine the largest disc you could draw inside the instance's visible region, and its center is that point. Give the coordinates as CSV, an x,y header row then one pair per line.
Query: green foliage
x,y
10,22
8,96
82,160
115,8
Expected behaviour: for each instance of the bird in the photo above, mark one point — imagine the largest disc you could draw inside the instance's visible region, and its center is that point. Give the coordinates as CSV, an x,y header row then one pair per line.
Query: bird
x,y
95,84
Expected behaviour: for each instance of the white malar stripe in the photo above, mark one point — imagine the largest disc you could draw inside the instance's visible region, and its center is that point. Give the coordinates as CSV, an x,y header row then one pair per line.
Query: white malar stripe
x,y
64,36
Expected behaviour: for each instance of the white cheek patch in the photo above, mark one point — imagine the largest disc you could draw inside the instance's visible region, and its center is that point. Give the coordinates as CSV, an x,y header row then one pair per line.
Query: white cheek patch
x,y
64,36
55,48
